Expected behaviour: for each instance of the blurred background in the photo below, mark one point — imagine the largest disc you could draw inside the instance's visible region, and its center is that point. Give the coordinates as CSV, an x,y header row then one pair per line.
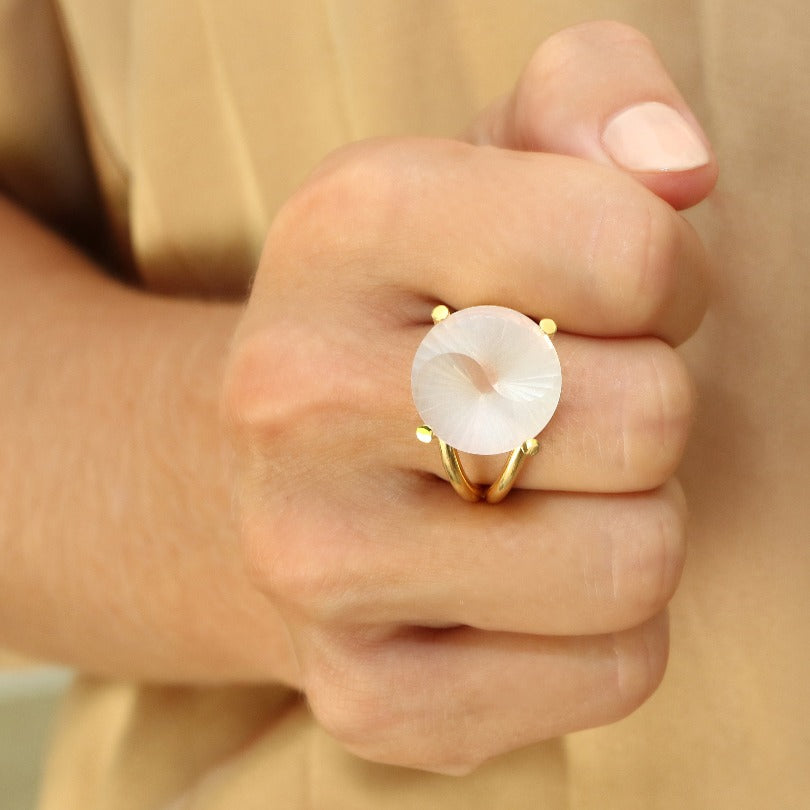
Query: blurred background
x,y
29,700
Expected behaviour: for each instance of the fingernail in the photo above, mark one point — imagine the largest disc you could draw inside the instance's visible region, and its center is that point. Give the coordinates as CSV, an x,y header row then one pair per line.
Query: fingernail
x,y
653,137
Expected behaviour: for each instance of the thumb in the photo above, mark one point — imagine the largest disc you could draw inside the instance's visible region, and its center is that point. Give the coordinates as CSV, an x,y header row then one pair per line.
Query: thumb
x,y
599,91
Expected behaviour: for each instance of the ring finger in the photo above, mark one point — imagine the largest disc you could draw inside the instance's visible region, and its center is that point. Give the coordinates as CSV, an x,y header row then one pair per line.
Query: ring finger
x,y
621,425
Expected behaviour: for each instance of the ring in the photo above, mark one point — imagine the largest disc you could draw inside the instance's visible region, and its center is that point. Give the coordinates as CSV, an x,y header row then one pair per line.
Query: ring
x,y
485,380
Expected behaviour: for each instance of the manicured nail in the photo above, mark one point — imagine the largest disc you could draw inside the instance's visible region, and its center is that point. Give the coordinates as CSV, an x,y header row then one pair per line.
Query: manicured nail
x,y
653,137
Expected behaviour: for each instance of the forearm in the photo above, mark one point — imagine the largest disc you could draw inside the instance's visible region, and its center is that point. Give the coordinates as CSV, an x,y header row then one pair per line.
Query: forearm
x,y
117,552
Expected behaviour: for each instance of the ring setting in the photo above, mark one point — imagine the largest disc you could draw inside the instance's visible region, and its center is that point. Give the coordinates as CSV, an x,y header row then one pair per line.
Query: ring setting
x,y
485,380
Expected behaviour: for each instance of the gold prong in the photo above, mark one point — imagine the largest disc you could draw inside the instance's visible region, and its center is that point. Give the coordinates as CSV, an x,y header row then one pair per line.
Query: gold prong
x,y
439,313
530,447
548,326
424,434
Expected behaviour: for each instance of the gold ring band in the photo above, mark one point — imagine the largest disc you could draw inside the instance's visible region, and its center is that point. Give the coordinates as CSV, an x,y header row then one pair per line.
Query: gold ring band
x,y
475,492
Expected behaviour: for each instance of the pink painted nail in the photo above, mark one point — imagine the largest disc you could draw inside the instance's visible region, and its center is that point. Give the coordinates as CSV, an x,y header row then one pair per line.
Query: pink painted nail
x,y
653,137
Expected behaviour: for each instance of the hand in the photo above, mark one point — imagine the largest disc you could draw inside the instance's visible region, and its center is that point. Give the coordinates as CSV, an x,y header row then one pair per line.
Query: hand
x,y
430,632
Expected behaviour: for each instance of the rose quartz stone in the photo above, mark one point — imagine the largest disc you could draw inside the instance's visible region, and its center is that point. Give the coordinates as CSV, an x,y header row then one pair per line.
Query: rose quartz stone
x,y
485,379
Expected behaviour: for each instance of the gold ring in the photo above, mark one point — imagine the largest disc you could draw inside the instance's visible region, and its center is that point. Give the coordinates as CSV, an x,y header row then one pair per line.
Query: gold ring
x,y
480,377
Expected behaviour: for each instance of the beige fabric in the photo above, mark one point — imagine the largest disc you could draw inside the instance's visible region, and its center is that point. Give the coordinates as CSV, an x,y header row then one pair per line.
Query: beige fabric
x,y
202,116
42,156
13,661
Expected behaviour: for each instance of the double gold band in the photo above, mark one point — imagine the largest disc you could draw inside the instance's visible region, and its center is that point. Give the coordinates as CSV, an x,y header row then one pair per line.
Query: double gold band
x,y
475,492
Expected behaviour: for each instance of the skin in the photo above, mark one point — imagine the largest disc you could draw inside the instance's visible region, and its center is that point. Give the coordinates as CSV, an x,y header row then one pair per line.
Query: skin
x,y
425,631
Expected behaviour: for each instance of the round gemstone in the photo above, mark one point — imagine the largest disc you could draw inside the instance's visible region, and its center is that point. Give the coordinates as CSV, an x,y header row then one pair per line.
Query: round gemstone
x,y
486,379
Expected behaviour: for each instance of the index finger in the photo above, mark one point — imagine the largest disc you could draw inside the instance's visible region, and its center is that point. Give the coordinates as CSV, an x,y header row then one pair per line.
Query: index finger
x,y
548,235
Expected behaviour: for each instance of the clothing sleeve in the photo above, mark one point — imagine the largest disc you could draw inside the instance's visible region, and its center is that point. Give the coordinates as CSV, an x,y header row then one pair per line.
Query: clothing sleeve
x,y
44,162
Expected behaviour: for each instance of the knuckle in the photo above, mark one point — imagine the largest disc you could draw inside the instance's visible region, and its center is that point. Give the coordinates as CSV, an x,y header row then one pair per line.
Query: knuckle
x,y
287,374
249,392
447,757
654,272
640,660
648,558
315,212
370,730
635,252
364,697
350,695
347,713
351,197
454,763
565,50
657,409
302,568
546,83
271,562
609,33
286,578
568,44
